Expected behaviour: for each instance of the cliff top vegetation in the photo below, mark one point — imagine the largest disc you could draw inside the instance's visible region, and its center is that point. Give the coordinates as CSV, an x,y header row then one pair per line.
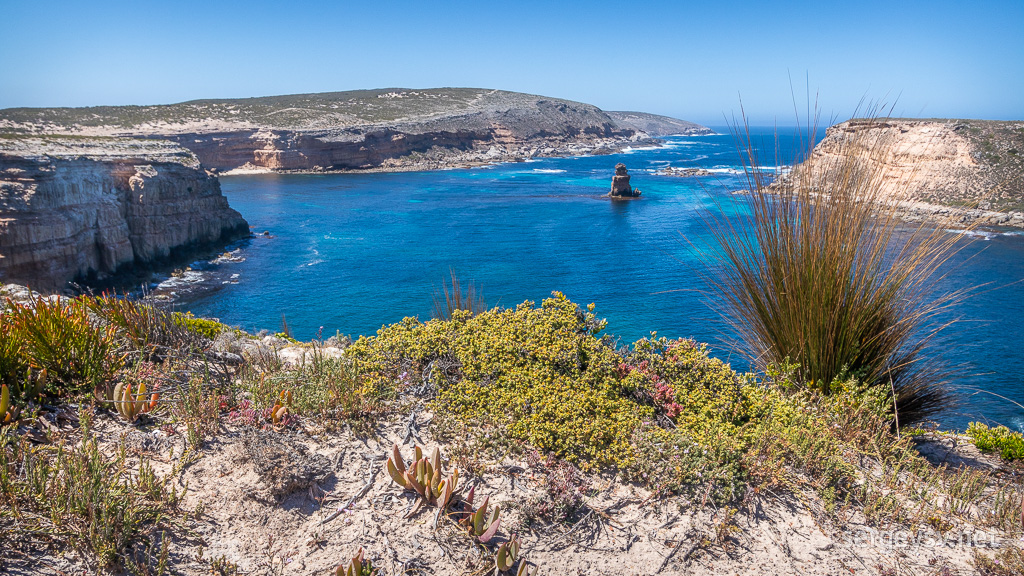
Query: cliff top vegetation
x,y
204,448
319,111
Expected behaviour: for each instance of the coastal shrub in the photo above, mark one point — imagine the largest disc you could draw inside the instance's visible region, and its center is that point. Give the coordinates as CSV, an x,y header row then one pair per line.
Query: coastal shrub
x,y
825,273
78,495
329,390
205,327
61,337
197,405
546,377
144,327
1008,444
542,374
12,357
683,382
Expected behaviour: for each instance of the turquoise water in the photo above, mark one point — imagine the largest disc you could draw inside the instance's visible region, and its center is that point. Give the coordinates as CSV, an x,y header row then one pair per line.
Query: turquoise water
x,y
349,253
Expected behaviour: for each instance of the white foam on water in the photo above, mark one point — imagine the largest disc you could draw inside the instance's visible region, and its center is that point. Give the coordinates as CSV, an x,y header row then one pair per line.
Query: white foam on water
x,y
983,234
548,171
187,278
631,149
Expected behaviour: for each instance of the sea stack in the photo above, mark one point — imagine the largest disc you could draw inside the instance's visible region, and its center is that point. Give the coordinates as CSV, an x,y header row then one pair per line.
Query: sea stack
x,y
620,183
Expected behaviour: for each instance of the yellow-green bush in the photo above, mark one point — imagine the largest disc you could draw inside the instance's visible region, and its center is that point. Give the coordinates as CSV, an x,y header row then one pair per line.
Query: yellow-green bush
x,y
1009,445
201,326
548,378
541,373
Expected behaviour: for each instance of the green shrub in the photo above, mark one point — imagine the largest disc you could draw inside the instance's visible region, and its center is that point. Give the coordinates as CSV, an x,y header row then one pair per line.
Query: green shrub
x,y
61,338
144,327
202,326
326,389
540,373
79,495
12,356
1009,445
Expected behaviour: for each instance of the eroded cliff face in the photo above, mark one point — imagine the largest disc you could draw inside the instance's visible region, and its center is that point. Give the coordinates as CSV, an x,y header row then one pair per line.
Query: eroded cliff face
x,y
971,167
521,131
84,208
389,129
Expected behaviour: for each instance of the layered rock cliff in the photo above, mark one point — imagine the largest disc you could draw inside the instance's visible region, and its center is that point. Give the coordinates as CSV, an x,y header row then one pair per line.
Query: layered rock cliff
x,y
389,129
79,208
973,168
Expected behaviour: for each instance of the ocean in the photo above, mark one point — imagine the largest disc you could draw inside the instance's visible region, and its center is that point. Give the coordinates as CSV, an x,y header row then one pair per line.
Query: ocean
x,y
348,253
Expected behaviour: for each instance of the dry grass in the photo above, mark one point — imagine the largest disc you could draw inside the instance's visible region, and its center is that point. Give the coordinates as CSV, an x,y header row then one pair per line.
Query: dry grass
x,y
452,298
827,275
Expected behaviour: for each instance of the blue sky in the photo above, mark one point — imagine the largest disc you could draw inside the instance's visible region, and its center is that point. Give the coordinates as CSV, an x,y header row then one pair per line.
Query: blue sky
x,y
692,60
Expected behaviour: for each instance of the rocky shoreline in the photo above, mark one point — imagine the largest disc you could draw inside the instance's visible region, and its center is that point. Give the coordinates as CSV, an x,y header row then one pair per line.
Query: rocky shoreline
x,y
450,159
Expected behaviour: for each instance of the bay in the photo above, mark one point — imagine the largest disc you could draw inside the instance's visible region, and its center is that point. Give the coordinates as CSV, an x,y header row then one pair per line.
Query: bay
x,y
348,253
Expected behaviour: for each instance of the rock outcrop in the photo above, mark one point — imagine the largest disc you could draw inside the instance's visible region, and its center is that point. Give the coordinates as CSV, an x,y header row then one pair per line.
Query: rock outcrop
x,y
620,183
87,208
378,130
972,170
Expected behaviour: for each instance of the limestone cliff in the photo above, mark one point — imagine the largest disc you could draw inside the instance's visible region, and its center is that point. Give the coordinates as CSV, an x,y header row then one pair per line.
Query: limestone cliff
x,y
77,208
388,129
972,167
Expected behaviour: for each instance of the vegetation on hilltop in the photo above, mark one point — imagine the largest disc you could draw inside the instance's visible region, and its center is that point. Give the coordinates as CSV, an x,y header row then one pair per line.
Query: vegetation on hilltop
x,y
298,111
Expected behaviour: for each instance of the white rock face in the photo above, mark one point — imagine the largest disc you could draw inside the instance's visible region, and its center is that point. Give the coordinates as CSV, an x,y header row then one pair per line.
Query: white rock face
x,y
74,208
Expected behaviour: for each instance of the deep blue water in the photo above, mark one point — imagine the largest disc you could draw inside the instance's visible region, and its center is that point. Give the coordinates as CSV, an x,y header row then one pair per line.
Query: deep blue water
x,y
350,253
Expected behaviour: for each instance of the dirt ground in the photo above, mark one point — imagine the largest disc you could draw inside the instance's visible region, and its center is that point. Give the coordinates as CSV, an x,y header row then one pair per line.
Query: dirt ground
x,y
300,502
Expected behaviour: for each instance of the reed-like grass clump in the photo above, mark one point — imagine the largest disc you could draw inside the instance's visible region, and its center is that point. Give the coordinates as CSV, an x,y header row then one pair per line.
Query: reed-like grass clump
x,y
828,275
452,298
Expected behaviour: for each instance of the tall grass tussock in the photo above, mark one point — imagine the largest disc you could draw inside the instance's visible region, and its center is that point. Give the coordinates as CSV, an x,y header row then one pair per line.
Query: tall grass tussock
x,y
452,298
826,274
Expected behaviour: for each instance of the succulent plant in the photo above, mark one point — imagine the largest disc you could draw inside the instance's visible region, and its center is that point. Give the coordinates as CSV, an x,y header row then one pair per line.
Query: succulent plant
x,y
17,394
479,524
279,413
8,413
507,555
423,476
130,404
358,566
524,570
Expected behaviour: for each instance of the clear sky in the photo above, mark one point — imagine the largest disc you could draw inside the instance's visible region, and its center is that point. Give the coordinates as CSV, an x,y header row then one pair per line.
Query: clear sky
x,y
692,60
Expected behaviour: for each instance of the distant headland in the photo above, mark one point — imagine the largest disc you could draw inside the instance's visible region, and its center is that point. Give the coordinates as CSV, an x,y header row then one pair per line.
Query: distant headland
x,y
972,170
390,129
86,193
